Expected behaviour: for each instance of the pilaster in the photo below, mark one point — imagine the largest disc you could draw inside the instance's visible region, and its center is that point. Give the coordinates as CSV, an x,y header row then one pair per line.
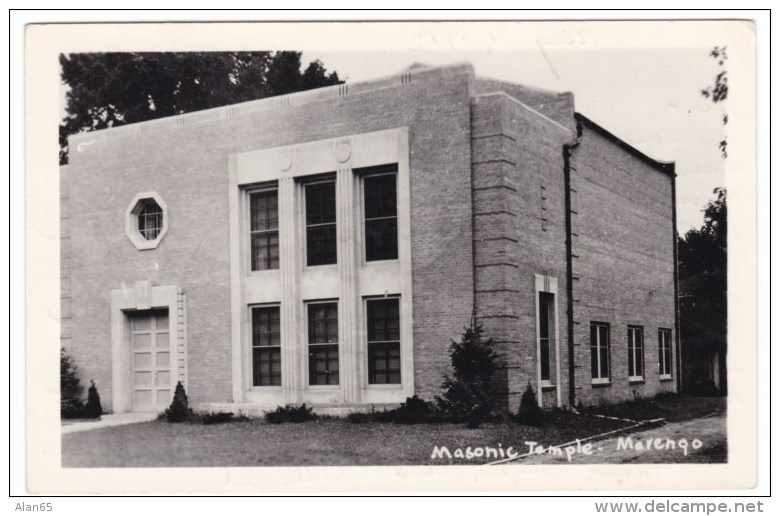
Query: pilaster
x,y
348,261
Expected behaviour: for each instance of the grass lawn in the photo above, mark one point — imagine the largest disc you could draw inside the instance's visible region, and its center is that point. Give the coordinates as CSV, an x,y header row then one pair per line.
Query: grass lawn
x,y
337,442
672,408
328,442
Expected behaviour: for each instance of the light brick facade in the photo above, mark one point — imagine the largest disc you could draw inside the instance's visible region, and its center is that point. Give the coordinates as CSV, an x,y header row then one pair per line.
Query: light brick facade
x,y
487,172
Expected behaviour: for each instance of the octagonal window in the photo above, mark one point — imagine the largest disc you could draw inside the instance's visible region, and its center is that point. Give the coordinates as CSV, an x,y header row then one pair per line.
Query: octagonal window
x,y
150,218
146,221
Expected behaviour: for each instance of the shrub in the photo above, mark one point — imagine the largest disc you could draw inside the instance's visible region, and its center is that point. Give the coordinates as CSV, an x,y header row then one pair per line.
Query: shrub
x,y
216,418
529,413
413,411
179,410
71,406
93,410
290,414
468,394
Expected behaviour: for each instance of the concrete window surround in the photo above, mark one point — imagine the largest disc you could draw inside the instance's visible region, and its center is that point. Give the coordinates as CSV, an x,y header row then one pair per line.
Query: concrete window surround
x,y
548,284
131,221
144,296
350,281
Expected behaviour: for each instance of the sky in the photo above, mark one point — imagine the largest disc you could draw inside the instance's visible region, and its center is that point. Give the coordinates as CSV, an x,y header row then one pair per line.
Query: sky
x,y
648,97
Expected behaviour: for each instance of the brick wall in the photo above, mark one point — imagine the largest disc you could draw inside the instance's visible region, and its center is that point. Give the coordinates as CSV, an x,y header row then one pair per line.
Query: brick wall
x,y
491,163
623,262
516,161
558,107
185,160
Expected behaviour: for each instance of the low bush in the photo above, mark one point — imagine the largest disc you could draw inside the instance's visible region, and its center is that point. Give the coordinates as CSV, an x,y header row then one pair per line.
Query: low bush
x,y
290,414
215,418
411,412
529,413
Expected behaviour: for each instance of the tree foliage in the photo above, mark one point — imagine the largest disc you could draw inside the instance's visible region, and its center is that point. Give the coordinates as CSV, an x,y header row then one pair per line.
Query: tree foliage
x,y
469,393
719,91
113,89
703,282
71,405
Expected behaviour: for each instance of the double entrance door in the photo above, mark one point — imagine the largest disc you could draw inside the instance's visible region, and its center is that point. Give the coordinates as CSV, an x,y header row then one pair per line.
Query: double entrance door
x,y
151,360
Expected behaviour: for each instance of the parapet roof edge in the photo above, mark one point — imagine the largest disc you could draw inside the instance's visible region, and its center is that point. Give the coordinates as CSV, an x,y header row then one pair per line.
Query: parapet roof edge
x,y
281,101
667,167
525,86
525,106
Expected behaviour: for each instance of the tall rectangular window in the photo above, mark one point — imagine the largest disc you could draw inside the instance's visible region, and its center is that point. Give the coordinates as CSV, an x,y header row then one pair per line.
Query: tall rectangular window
x,y
599,351
266,347
323,343
636,367
264,230
384,341
321,222
380,200
665,353
546,335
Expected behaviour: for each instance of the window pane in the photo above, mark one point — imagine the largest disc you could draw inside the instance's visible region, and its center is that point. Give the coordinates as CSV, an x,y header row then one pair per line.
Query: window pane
x,y
264,212
383,320
265,326
544,321
594,350
544,351
321,203
150,219
380,196
381,223
266,366
384,363
323,323
323,365
640,354
604,361
381,239
384,347
321,245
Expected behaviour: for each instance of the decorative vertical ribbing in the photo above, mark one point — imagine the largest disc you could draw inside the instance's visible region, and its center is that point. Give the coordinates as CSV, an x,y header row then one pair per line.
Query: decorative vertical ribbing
x,y
181,336
348,302
288,268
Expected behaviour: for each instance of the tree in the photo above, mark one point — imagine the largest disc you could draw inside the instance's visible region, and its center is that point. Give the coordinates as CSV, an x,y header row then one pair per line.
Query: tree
x,y
529,413
93,409
71,405
703,289
179,410
469,393
719,91
112,89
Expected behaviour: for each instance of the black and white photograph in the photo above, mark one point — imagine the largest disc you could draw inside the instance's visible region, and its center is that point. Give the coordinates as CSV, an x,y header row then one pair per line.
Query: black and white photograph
x,y
501,244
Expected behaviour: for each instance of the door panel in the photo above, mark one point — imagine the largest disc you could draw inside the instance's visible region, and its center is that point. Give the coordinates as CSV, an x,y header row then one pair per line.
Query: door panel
x,y
151,361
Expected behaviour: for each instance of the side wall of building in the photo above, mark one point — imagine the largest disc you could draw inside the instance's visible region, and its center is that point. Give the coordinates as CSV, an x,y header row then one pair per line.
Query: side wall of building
x,y
185,161
623,263
519,234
